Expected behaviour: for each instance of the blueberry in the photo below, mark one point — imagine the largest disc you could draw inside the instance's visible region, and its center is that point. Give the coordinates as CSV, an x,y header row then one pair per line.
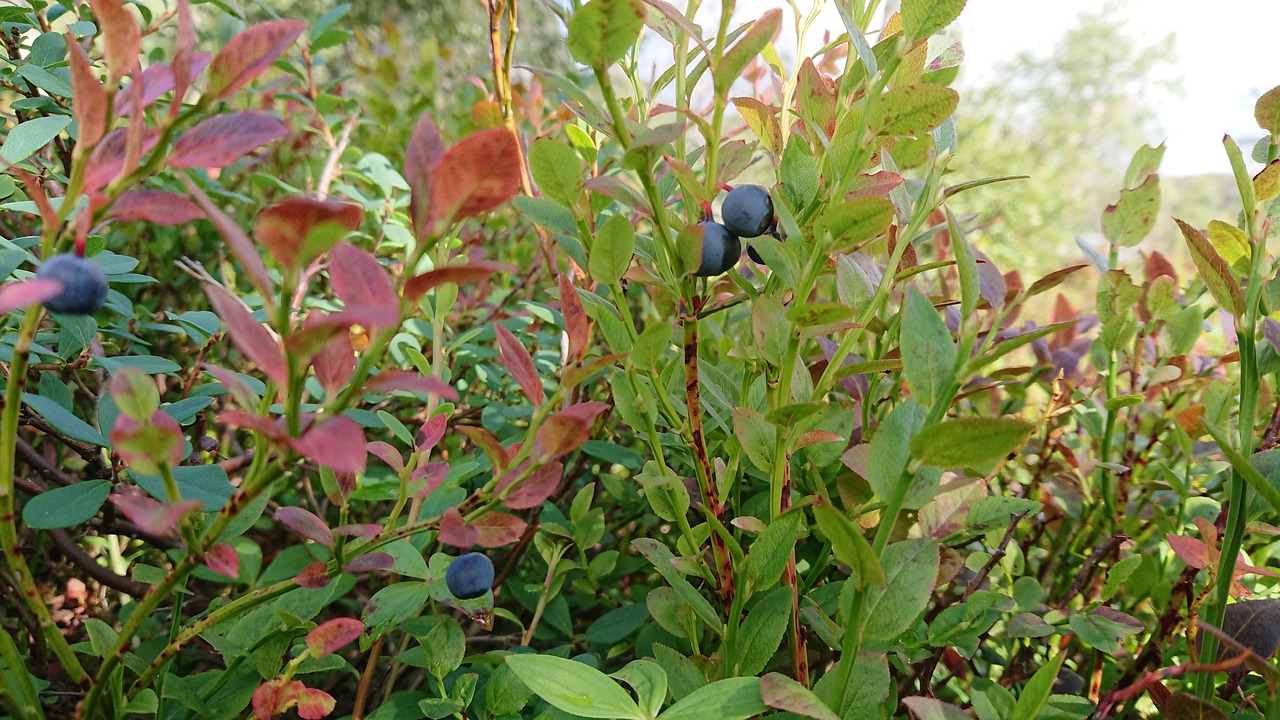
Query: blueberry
x,y
747,211
84,286
755,256
469,576
720,249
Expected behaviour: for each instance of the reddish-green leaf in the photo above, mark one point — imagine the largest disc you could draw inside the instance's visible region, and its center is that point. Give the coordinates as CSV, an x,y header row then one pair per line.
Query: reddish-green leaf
x,y
313,576
121,39
298,230
330,636
1132,217
475,176
922,18
109,157
535,489
135,393
1214,271
314,704
223,139
369,561
155,518
186,62
816,97
426,150
89,98
146,445
305,523
575,320
419,285
249,54
158,79
335,362
763,122
1267,110
749,45
410,381
559,435
20,294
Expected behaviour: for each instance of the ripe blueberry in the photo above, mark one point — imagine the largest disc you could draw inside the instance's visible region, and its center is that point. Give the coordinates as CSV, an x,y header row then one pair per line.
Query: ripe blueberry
x,y
84,286
469,576
720,249
747,211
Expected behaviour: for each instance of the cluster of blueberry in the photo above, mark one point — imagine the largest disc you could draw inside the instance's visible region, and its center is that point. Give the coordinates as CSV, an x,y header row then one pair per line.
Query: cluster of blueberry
x,y
84,285
747,212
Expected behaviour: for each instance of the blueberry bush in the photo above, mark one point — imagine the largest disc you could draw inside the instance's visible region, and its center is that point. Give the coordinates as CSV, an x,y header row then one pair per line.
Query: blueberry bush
x,y
320,405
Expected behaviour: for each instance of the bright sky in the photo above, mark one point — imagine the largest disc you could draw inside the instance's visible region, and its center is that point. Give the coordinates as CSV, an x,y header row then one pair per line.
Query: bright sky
x,y
1225,58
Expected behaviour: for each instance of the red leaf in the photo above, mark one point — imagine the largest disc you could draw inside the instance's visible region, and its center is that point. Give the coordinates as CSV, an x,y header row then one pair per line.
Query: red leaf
x,y
369,563
366,530
314,704
108,157
361,282
431,432
477,175
410,381
273,697
305,523
252,421
533,491
455,531
386,454
88,99
560,434
427,478
237,241
519,363
187,64
145,446
421,158
575,320
154,517
250,336
121,38
487,443
20,294
318,331
1189,550
585,411
336,361
155,206
249,54
160,78
223,139
224,560
313,576
336,443
298,230
419,285
329,636
498,528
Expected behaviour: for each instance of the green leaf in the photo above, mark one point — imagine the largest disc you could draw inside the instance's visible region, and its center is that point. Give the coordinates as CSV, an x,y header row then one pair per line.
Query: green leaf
x,y
1037,690
890,452
1102,632
557,171
649,680
993,513
855,221
504,693
207,483
1134,215
911,569
912,109
1183,706
63,421
1214,271
1244,183
1232,245
867,689
1117,576
611,252
729,699
1145,162
969,442
763,629
602,31
573,686
928,353
926,708
1267,110
445,646
752,42
661,558
769,553
799,174
849,545
28,137
756,436
922,18
66,506
651,344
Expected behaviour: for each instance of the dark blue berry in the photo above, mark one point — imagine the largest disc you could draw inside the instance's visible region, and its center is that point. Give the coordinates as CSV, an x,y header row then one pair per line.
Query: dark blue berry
x,y
720,249
469,576
84,285
747,211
